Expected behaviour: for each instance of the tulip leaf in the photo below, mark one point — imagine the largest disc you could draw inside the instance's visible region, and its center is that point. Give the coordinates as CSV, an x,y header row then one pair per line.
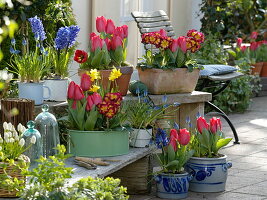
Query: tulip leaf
x,y
80,114
171,153
97,59
91,119
222,142
172,163
180,59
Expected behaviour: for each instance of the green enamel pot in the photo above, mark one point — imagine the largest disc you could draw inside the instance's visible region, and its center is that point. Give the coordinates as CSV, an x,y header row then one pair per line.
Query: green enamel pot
x,y
98,143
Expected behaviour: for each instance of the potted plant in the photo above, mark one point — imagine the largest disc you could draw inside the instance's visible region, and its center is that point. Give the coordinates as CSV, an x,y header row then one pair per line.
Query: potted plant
x,y
170,70
12,160
208,167
173,181
60,55
142,115
107,50
31,66
96,117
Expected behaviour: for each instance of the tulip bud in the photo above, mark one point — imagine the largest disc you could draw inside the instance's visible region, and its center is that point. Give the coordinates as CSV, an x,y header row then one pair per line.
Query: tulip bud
x,y
125,30
162,32
96,42
174,134
110,27
119,32
108,43
85,82
184,137
174,45
116,41
97,99
78,93
93,34
243,48
239,42
173,143
71,90
202,124
215,124
253,46
89,104
101,23
182,43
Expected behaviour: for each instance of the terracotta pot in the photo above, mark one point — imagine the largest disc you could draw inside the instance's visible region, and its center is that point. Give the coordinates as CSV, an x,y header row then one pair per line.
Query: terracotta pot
x,y
159,81
264,70
257,68
122,82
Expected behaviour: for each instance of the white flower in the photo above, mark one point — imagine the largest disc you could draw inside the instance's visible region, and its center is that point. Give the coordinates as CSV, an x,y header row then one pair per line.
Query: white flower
x,y
22,142
5,125
1,140
33,139
16,138
11,140
20,127
0,148
23,129
7,135
15,133
10,126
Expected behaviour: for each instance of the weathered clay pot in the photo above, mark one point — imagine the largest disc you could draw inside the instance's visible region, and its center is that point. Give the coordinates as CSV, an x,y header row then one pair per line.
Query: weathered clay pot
x,y
122,82
257,68
264,70
178,80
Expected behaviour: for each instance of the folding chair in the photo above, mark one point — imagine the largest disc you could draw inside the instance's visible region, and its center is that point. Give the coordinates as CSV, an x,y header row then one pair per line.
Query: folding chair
x,y
156,20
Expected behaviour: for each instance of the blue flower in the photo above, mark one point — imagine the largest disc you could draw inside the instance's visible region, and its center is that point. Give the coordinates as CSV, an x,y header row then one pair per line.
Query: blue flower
x,y
66,37
187,120
12,50
161,138
145,93
176,126
37,27
164,99
13,41
198,115
24,42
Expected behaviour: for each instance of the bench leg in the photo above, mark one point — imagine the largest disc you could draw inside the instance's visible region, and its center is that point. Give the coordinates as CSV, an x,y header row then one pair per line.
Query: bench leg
x,y
221,113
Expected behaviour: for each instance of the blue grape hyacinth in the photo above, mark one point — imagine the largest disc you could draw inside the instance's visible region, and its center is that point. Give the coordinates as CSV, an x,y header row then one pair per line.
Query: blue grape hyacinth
x,y
66,37
161,138
37,28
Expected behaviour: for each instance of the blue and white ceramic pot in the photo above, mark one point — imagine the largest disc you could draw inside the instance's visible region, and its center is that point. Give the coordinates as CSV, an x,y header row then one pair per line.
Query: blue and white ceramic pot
x,y
172,186
209,174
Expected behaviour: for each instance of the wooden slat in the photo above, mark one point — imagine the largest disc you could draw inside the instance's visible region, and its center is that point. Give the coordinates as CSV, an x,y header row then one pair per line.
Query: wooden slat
x,y
154,19
154,24
148,30
157,13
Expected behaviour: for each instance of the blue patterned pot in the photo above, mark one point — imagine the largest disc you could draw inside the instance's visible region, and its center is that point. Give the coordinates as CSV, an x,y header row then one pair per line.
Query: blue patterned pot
x,y
209,174
172,186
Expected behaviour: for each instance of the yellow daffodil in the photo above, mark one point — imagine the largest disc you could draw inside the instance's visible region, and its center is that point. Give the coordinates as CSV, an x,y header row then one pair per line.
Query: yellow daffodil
x,y
94,88
115,73
94,74
2,85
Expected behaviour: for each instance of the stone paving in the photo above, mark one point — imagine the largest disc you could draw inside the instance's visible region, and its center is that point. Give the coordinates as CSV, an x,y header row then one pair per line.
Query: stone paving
x,y
247,179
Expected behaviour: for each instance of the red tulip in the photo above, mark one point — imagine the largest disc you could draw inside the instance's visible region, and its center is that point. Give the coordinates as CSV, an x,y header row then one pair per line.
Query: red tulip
x,y
239,42
253,46
110,27
108,43
92,35
119,32
125,30
173,143
96,42
202,124
254,35
78,93
174,134
162,32
96,97
116,41
182,43
243,48
101,23
90,103
215,124
174,45
183,136
71,89
80,56
85,82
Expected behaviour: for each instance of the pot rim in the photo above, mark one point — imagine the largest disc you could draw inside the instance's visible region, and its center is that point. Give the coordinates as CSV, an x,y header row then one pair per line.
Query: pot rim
x,y
209,159
172,174
112,131
39,83
167,70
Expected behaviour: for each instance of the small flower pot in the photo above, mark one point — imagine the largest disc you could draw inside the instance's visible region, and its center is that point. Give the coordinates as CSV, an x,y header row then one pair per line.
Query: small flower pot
x,y
140,137
178,80
209,174
33,91
98,143
257,68
58,89
172,186
264,70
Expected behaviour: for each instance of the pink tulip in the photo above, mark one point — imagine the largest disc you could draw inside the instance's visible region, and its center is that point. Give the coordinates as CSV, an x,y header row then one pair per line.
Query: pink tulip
x,y
85,82
202,124
215,124
253,46
182,43
174,45
184,136
78,93
110,27
254,35
96,97
96,42
116,41
243,48
119,32
174,134
101,23
71,89
108,43
90,103
93,34
125,30
162,32
239,42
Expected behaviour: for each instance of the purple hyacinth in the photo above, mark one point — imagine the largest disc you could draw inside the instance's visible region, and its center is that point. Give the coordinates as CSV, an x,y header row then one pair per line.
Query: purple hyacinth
x,y
37,28
161,139
66,37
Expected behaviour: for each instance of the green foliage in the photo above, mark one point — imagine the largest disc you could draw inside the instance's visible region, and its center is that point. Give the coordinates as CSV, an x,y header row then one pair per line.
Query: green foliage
x,y
233,18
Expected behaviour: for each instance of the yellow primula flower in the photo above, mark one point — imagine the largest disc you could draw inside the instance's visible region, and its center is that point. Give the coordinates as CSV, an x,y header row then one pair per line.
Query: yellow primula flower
x,y
94,74
115,73
94,88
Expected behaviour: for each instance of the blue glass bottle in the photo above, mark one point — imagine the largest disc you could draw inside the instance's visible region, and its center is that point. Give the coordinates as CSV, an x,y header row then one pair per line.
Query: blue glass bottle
x,y
47,125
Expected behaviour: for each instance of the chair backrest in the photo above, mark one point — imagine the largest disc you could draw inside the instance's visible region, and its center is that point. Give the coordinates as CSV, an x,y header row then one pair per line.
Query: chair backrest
x,y
153,21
